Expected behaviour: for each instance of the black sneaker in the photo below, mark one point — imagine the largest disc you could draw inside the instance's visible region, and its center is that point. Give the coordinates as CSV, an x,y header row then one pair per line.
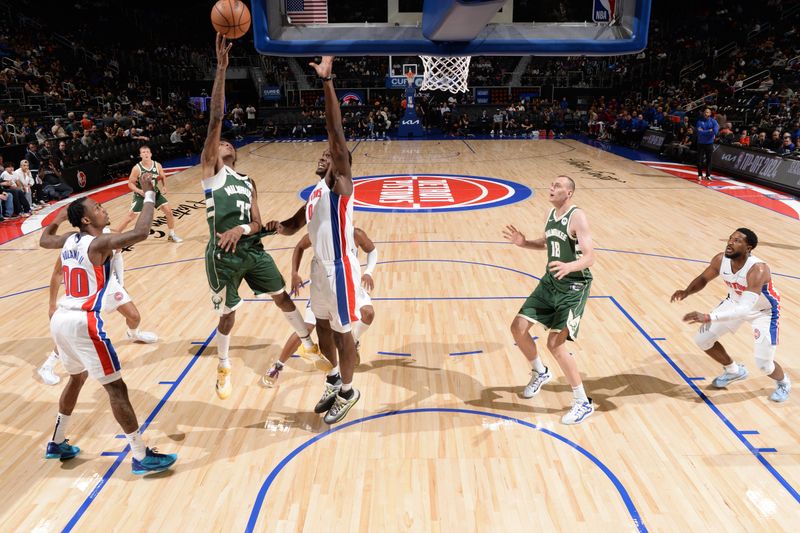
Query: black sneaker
x,y
328,397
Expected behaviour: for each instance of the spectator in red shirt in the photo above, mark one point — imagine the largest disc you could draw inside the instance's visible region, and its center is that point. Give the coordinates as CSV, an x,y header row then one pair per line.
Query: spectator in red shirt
x,y
86,122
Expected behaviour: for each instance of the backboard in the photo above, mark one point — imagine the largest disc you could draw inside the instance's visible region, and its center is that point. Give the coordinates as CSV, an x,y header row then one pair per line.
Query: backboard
x,y
450,27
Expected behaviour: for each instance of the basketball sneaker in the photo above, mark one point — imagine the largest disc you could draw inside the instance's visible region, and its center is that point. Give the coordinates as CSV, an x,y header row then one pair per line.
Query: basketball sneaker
x,y
580,411
341,407
727,378
61,451
314,356
781,393
536,382
146,337
153,462
328,397
48,375
272,375
223,385
174,237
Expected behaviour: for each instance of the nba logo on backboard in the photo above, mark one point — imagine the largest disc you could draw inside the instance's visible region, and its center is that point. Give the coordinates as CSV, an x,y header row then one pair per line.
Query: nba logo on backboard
x,y
429,193
604,10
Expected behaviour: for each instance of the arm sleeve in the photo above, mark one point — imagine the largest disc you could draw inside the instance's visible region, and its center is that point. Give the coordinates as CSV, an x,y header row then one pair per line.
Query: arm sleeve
x,y
372,261
741,310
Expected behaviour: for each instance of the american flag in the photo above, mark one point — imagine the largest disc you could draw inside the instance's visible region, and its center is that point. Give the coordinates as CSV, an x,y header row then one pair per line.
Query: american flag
x,y
307,11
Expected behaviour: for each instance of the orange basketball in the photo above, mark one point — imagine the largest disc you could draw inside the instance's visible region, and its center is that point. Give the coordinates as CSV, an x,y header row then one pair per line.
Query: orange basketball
x,y
231,18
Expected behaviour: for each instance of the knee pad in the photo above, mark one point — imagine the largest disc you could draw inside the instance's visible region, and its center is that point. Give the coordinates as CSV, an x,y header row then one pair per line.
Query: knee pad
x,y
705,339
765,357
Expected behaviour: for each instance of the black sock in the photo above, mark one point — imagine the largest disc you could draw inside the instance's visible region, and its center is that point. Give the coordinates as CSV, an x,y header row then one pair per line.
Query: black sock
x,y
346,394
333,379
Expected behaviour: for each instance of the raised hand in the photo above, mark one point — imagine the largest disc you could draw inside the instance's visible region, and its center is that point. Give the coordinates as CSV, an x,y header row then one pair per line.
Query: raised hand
x,y
324,68
223,47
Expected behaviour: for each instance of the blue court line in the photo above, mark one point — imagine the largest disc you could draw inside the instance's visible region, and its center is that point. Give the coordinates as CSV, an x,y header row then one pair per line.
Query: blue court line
x,y
748,432
262,493
166,383
114,454
455,354
23,292
468,146
294,355
659,338
766,450
198,342
711,405
695,378
122,455
395,353
355,147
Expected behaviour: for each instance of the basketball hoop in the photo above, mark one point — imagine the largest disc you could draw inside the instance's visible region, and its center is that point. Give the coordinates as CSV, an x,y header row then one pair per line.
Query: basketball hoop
x,y
445,73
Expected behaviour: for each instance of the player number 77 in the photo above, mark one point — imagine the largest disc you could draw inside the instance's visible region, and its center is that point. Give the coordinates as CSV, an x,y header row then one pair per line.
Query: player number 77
x,y
243,207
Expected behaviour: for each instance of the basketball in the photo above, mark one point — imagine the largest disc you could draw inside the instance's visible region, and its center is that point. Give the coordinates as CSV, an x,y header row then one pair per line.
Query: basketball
x,y
231,18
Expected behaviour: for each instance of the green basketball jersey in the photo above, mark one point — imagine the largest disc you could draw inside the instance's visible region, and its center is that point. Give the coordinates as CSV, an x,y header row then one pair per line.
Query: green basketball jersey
x,y
229,196
151,173
561,246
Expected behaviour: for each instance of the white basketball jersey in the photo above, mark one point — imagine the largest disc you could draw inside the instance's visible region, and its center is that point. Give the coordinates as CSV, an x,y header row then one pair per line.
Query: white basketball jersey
x,y
737,283
84,283
330,223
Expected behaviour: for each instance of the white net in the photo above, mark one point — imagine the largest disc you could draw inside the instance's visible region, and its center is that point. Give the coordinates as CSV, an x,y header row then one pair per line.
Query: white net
x,y
445,73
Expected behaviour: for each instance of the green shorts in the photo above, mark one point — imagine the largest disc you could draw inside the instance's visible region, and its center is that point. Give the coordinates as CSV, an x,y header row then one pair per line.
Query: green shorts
x,y
138,202
225,272
557,305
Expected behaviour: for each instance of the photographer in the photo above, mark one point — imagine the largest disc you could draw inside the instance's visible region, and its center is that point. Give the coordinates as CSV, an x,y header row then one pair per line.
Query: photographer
x,y
54,187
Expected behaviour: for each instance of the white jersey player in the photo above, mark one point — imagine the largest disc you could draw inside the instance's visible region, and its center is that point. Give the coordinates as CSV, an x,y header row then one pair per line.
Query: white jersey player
x,y
116,298
752,299
335,273
77,323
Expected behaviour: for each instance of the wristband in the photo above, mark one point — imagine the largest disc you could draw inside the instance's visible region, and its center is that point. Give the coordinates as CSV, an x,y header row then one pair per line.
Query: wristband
x,y
246,228
329,78
150,196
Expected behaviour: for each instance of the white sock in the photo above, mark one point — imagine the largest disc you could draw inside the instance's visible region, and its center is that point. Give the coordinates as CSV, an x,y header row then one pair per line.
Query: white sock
x,y
732,368
785,381
346,387
359,328
295,319
133,332
223,343
579,394
538,366
138,446
334,371
62,421
51,359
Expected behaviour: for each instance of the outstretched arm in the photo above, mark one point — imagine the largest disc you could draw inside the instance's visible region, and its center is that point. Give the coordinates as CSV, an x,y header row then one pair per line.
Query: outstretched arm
x,y
333,123
290,226
515,236
757,278
699,283
209,159
103,245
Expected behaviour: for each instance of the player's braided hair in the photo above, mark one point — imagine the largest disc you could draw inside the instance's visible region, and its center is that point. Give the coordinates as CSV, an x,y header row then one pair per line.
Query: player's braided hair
x,y
750,236
75,212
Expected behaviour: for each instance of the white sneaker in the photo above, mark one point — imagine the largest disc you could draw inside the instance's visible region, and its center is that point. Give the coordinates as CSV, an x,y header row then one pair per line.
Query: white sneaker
x,y
48,375
580,411
536,382
147,337
174,238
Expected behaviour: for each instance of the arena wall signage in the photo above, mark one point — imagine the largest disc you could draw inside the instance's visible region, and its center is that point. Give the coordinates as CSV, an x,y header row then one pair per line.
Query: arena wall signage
x,y
767,168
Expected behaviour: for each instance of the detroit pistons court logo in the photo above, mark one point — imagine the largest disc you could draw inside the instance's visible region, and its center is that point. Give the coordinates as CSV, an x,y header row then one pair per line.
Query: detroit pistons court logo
x,y
429,193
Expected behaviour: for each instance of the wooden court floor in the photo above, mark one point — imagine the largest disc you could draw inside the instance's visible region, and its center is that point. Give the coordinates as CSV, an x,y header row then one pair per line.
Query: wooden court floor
x,y
439,441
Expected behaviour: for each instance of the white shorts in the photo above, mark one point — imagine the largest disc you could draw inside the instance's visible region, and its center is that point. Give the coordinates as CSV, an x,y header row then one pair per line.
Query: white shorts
x,y
363,299
115,296
334,292
764,323
83,345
